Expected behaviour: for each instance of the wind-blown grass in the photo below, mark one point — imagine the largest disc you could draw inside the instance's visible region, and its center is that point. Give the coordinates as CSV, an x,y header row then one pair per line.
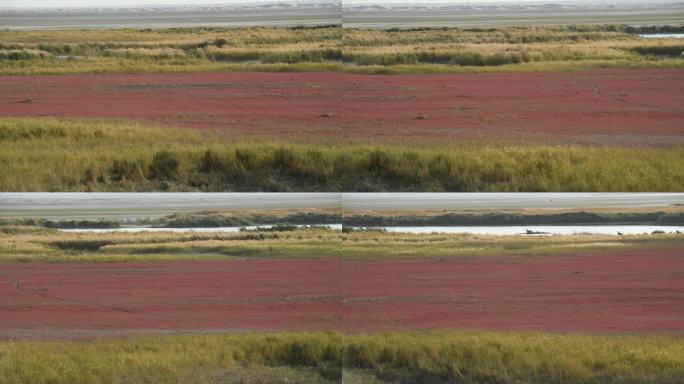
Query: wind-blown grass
x,y
417,357
443,50
98,155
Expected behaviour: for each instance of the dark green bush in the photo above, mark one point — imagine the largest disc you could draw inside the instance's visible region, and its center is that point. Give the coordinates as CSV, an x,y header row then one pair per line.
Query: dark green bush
x,y
164,166
211,162
664,51
81,245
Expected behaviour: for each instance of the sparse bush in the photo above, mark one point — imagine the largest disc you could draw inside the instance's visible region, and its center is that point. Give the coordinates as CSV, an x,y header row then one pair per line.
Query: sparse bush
x,y
127,170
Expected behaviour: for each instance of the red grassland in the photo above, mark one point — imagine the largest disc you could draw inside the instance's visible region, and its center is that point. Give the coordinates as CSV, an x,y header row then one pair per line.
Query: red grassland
x,y
598,107
626,291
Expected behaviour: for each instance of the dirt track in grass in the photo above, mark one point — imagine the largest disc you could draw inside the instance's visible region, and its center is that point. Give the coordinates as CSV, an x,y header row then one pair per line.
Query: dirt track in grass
x,y
626,107
627,291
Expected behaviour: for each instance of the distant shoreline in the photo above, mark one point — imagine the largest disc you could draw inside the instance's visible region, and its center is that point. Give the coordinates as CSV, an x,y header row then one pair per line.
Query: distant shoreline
x,y
355,15
308,14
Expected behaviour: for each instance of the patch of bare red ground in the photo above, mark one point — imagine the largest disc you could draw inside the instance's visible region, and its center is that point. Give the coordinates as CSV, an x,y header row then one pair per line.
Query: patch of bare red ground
x,y
597,107
237,295
264,104
610,106
627,291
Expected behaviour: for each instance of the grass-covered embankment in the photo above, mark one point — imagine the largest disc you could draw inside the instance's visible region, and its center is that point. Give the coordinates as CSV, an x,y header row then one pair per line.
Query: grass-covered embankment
x,y
97,155
26,243
379,245
233,218
673,216
249,218
170,50
428,357
39,244
243,218
512,49
437,50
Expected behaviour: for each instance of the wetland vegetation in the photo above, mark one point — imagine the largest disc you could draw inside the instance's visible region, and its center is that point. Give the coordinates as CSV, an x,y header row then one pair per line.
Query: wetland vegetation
x,y
59,155
331,48
24,243
319,357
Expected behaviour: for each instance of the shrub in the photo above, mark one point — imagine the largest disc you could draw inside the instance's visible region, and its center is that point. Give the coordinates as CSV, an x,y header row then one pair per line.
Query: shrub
x,y
123,170
164,166
81,245
210,162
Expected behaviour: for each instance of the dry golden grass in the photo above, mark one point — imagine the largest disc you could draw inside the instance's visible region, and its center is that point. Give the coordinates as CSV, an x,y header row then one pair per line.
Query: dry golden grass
x,y
40,244
414,357
325,49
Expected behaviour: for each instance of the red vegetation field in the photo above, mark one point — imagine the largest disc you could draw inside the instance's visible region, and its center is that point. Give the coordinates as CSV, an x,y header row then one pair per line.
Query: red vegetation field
x,y
630,291
608,106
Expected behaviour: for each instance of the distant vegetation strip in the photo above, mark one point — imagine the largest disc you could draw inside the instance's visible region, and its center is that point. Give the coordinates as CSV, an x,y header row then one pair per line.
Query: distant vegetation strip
x,y
350,219
497,218
21,243
445,50
209,220
415,357
192,220
96,155
381,245
34,243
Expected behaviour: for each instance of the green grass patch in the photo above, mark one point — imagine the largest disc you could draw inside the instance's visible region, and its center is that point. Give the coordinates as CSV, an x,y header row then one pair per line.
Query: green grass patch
x,y
99,155
416,357
331,48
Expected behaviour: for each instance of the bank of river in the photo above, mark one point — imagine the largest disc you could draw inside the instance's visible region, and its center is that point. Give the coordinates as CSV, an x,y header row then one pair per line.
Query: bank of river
x,y
541,229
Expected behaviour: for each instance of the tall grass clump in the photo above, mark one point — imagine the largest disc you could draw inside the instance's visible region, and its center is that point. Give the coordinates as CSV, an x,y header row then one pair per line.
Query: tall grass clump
x,y
164,165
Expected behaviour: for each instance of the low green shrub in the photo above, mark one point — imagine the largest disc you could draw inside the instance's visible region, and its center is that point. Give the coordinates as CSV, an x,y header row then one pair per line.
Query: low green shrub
x,y
164,166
